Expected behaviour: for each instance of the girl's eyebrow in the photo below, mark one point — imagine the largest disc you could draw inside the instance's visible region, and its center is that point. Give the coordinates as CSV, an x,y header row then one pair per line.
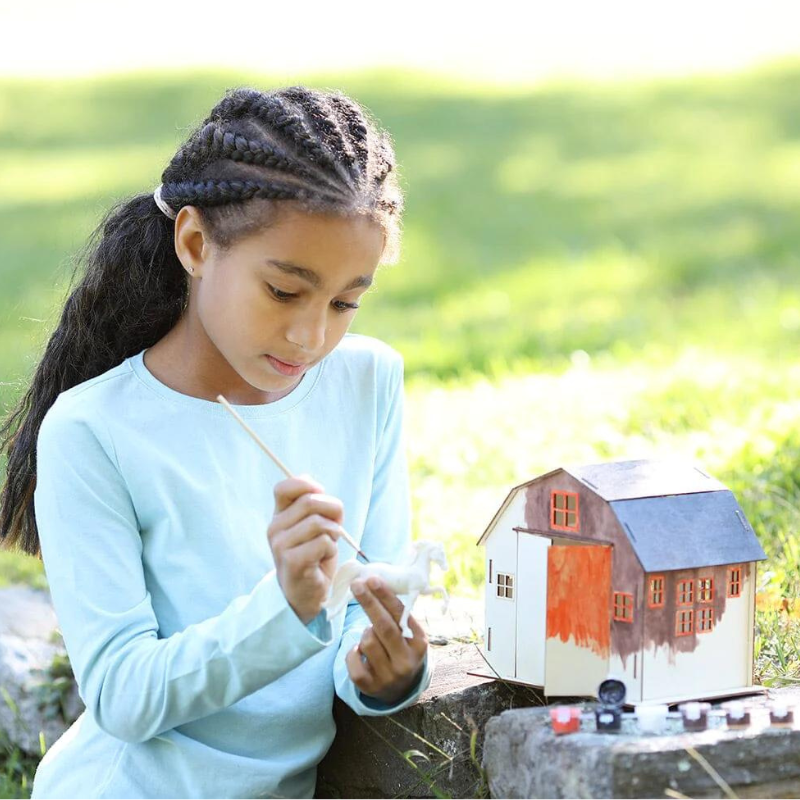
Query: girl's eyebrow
x,y
313,278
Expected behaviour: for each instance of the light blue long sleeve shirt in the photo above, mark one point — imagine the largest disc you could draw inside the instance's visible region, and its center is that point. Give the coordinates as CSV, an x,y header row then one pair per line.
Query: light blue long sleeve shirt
x,y
152,507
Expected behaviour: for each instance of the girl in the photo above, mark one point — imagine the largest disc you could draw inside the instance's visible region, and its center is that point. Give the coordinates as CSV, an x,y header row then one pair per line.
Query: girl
x,y
199,645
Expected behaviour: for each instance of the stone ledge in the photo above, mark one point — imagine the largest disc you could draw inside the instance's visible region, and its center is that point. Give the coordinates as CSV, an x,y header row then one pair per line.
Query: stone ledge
x,y
366,758
524,758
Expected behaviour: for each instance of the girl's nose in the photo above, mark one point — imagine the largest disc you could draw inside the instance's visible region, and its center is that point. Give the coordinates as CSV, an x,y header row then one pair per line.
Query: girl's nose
x,y
308,333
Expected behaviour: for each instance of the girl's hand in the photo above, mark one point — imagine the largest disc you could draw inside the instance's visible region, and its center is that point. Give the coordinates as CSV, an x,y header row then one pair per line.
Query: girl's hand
x,y
302,536
393,663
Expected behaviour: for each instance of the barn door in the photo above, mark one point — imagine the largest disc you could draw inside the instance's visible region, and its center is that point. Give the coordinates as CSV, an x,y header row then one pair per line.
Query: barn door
x,y
531,606
578,618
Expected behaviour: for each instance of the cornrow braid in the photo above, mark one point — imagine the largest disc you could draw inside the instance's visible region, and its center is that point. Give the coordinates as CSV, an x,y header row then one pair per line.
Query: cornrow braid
x,y
274,110
357,128
239,103
216,193
212,141
291,122
323,116
386,158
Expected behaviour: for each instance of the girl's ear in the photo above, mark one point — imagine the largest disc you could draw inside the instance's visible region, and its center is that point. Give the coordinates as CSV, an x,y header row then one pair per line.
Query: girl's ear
x,y
191,242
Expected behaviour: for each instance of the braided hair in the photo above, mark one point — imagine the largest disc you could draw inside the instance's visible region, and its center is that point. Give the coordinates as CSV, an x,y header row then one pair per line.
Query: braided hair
x,y
318,149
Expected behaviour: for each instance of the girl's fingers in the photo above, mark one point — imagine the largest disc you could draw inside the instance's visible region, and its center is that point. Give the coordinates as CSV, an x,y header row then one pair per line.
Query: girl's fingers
x,y
310,528
385,609
311,552
288,490
310,503
360,671
420,641
375,652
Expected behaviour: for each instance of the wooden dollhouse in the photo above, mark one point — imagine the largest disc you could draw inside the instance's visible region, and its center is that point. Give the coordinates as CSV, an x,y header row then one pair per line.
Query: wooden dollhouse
x,y
644,570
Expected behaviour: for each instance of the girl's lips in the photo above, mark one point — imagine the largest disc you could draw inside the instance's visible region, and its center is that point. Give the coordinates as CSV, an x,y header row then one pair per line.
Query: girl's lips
x,y
285,369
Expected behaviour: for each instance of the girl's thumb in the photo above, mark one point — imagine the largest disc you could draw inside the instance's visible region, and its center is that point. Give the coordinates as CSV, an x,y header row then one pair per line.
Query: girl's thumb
x,y
306,477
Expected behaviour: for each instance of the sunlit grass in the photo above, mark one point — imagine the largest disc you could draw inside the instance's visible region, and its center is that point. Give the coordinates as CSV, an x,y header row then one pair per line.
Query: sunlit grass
x,y
589,273
31,178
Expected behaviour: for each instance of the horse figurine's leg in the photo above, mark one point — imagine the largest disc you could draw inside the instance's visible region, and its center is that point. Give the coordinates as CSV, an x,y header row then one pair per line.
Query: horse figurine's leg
x,y
434,590
340,592
407,606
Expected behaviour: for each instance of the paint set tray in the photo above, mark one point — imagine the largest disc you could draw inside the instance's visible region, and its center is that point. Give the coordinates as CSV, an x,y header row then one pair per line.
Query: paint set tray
x,y
658,720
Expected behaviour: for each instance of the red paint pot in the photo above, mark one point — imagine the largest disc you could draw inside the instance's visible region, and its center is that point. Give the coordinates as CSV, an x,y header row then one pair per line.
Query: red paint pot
x,y
565,719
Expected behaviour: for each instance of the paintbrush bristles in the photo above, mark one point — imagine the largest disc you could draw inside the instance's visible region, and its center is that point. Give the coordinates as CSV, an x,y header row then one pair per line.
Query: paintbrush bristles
x,y
281,465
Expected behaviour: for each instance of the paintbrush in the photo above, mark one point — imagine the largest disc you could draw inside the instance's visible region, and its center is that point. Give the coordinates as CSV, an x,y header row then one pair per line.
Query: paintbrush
x,y
282,466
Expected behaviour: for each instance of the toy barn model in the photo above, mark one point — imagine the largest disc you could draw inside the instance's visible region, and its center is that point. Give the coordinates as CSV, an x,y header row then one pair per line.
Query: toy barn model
x,y
644,570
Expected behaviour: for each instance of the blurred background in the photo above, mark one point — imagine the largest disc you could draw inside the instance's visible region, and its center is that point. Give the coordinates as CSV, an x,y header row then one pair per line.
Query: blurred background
x,y
600,258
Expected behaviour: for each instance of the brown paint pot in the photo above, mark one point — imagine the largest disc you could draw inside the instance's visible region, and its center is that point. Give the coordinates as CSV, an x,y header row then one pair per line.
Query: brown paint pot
x,y
695,715
736,715
780,715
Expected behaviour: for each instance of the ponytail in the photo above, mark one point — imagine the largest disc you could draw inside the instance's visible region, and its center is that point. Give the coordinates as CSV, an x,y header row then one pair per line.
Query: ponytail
x,y
132,292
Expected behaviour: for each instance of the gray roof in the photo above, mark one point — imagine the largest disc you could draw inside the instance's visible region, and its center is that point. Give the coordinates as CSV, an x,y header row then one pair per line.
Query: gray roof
x,y
624,480
687,531
675,516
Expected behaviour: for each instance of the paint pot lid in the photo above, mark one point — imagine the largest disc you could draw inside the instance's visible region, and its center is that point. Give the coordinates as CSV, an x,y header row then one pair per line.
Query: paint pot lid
x,y
611,692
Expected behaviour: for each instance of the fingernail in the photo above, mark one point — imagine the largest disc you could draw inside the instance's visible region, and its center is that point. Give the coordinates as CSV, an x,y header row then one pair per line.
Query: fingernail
x,y
358,588
374,583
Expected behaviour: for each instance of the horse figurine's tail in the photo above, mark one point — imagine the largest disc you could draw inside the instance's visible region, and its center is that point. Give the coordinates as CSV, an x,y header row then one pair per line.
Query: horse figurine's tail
x,y
340,587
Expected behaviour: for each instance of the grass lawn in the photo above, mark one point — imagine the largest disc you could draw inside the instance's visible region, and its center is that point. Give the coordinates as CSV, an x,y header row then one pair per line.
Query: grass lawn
x,y
589,273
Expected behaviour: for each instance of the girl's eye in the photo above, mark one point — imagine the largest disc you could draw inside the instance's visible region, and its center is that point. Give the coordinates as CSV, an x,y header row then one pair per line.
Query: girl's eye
x,y
283,297
345,306
279,295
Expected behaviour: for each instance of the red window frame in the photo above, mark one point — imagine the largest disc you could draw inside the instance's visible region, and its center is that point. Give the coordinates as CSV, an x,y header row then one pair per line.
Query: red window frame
x,y
705,589
683,589
734,581
623,602
684,617
705,620
565,510
655,591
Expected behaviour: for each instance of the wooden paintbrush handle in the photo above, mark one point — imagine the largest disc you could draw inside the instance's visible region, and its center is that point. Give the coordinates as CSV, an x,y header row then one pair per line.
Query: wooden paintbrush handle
x,y
281,465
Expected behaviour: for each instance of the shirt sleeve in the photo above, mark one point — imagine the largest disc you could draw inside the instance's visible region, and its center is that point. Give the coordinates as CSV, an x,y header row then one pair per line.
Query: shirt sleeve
x,y
386,537
134,684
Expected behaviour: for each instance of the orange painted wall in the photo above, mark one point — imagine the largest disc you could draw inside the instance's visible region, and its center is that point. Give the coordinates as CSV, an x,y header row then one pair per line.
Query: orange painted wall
x,y
578,595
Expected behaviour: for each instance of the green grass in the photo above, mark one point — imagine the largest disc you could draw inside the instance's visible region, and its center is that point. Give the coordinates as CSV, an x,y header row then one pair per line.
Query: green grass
x,y
589,273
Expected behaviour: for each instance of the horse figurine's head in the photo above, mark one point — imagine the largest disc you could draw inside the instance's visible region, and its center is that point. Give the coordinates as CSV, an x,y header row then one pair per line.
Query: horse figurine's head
x,y
434,551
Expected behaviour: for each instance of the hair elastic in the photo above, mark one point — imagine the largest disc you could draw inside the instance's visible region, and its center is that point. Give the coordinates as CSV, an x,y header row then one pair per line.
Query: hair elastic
x,y
161,204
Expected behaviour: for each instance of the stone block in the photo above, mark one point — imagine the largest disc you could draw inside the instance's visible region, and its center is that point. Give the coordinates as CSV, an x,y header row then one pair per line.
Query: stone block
x,y
524,758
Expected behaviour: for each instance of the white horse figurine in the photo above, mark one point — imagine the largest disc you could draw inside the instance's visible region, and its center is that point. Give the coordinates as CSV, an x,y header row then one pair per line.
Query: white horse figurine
x,y
410,577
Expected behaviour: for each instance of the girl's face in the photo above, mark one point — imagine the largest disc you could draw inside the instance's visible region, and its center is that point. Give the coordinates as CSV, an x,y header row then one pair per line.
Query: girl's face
x,y
289,293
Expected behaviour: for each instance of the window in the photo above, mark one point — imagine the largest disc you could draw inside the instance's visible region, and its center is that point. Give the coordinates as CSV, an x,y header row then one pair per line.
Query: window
x,y
734,582
705,590
564,511
685,593
505,585
705,620
623,606
656,593
684,622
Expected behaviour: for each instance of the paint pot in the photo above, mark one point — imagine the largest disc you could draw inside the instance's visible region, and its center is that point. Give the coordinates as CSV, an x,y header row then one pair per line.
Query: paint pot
x,y
736,715
565,719
608,713
695,715
652,717
780,715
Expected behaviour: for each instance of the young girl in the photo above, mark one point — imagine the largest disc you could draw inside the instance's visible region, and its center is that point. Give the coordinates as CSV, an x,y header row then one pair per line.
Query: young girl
x,y
187,578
